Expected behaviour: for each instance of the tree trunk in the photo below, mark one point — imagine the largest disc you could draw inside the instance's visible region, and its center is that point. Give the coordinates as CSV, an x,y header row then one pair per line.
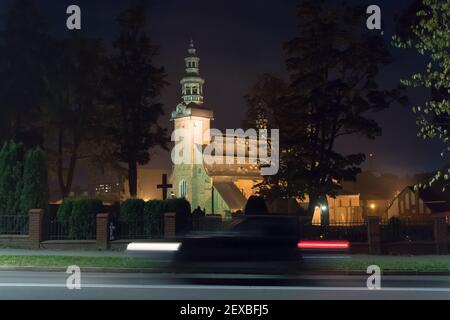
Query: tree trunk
x,y
65,185
312,206
322,203
324,212
132,178
60,164
71,171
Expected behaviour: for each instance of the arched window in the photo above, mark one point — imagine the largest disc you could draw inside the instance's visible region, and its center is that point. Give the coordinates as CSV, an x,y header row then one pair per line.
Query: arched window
x,y
183,189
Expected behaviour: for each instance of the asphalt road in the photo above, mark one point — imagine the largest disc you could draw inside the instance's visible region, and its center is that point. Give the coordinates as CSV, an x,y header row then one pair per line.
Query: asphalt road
x,y
52,285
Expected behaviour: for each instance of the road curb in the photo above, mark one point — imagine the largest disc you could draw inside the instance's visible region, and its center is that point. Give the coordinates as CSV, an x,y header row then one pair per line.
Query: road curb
x,y
156,270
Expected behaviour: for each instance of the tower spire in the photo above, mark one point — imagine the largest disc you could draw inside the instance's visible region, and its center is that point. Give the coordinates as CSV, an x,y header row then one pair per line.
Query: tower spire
x,y
192,83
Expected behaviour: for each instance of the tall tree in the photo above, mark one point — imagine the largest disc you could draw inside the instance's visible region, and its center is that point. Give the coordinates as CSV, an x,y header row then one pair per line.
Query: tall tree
x,y
134,86
23,47
333,65
11,174
35,192
430,36
72,112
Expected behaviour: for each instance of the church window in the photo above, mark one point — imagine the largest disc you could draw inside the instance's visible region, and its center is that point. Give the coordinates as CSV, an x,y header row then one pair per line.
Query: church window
x,y
183,189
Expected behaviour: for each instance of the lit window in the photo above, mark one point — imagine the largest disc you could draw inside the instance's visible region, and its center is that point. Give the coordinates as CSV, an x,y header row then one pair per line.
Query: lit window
x,y
183,189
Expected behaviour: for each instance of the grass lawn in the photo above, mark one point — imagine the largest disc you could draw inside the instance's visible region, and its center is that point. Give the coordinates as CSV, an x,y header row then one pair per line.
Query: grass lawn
x,y
354,263
389,263
63,261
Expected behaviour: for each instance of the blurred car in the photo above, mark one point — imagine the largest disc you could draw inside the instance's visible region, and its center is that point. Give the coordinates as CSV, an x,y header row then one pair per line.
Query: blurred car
x,y
259,243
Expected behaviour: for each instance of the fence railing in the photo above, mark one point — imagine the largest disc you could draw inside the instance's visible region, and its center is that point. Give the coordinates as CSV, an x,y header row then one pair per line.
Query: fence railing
x,y
405,231
354,231
57,230
14,224
142,228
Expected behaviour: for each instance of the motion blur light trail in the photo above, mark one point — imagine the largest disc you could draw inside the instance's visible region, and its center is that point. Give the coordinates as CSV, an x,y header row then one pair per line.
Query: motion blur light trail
x,y
153,246
323,244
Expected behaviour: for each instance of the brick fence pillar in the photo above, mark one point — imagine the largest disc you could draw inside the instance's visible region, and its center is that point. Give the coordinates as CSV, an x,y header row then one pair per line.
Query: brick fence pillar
x,y
102,233
374,234
440,230
36,227
169,225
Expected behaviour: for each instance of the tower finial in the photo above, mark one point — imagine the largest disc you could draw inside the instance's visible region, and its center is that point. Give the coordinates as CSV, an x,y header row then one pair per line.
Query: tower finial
x,y
192,51
192,83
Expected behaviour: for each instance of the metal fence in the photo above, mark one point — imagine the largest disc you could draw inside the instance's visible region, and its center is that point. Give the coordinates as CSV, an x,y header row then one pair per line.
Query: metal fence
x,y
56,230
140,228
14,224
353,231
401,231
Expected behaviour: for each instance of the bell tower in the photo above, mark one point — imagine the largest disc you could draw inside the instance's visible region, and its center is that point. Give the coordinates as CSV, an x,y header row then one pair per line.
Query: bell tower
x,y
192,83
190,180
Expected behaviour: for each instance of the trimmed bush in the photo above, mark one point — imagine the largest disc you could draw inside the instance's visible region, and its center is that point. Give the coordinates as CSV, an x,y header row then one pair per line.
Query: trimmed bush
x,y
82,220
65,210
35,192
79,215
132,210
151,214
154,213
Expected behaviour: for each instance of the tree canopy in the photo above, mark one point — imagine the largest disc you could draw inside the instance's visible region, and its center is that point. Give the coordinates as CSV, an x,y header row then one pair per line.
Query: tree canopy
x,y
134,85
333,65
429,36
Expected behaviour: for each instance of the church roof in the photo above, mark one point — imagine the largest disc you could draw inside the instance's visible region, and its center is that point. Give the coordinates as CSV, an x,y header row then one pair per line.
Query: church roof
x,y
192,109
194,105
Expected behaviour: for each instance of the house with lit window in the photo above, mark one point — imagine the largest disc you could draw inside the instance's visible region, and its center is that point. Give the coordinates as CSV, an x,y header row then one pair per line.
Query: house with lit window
x,y
419,205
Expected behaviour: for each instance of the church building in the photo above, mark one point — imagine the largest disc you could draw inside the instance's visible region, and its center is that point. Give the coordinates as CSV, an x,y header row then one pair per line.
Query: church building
x,y
216,188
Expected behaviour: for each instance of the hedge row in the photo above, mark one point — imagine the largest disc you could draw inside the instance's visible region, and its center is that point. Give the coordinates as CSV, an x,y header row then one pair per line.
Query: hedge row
x,y
152,212
79,215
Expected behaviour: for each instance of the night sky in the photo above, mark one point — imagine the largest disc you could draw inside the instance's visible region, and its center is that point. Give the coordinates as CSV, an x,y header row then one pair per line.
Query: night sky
x,y
237,41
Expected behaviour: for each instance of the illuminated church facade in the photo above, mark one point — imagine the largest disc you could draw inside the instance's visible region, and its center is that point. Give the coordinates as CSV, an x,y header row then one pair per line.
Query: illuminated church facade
x,y
218,188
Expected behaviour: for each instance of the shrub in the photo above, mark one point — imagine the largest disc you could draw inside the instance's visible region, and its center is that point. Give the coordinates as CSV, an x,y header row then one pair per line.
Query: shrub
x,y
132,210
255,205
65,210
79,215
35,193
154,213
82,219
151,214
11,174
